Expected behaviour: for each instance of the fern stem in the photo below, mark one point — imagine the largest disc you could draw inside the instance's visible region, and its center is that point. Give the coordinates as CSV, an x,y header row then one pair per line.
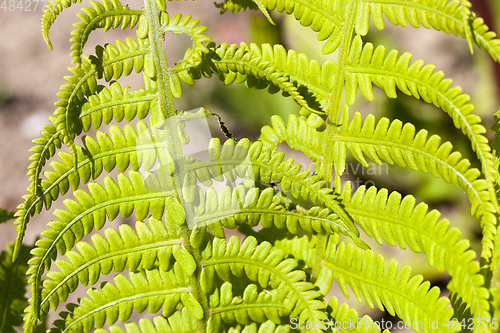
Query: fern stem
x,y
167,110
332,110
194,280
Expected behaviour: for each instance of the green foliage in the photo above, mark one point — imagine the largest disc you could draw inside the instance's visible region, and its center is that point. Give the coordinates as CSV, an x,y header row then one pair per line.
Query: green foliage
x,y
302,232
12,287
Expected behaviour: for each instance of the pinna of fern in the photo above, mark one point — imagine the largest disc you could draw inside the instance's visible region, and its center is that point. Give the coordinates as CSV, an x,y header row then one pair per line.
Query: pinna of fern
x,y
195,279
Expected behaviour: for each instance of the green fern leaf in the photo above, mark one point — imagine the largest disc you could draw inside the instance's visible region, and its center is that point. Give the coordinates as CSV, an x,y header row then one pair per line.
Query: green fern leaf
x,y
252,306
313,14
179,24
267,166
399,222
384,285
152,290
115,61
423,154
235,6
50,13
300,247
302,134
395,143
182,322
44,150
226,210
83,83
115,103
367,65
112,62
344,316
6,215
133,250
267,266
12,288
83,87
447,16
106,15
88,213
246,64
119,149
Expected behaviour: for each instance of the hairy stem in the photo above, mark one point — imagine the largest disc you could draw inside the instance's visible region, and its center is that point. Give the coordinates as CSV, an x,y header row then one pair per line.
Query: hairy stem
x,y
167,110
332,111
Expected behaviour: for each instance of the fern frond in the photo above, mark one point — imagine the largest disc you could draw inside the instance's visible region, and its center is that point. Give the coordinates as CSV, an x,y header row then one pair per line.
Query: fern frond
x,y
118,149
114,61
242,5
252,207
82,87
396,143
88,213
179,24
111,62
184,322
392,143
299,133
388,72
44,150
235,6
115,103
267,327
384,285
300,247
6,215
400,222
102,304
367,66
295,69
154,290
327,21
450,17
267,166
12,288
343,314
106,15
117,252
266,265
193,56
83,83
447,16
246,64
50,13
133,250
250,307
179,322
419,153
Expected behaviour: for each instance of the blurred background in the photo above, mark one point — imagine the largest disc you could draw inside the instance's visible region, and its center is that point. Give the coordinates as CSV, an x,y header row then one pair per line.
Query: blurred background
x,y
30,76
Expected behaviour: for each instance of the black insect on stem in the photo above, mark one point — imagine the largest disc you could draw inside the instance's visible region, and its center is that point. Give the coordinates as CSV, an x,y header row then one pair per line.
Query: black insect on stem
x,y
223,127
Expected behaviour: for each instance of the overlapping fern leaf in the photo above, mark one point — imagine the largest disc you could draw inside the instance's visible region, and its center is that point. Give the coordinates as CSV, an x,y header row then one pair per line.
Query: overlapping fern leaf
x,y
393,143
13,285
384,285
398,221
178,260
447,16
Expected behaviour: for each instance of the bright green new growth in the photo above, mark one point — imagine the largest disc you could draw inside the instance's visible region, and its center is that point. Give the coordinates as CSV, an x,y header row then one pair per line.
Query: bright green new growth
x,y
197,279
